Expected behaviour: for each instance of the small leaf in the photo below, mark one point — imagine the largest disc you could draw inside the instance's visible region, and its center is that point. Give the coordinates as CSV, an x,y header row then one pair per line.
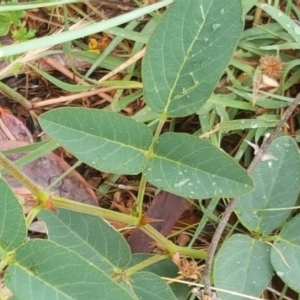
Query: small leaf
x,y
13,229
191,167
271,178
5,21
89,236
285,254
45,270
188,52
148,286
242,265
105,140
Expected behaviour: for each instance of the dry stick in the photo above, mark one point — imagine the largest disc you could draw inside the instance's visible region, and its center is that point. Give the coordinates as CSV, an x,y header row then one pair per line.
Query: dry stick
x,y
124,65
73,97
229,209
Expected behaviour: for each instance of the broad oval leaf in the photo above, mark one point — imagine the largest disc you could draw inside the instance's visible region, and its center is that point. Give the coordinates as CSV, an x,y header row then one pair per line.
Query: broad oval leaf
x,y
285,254
188,52
191,167
105,140
149,286
90,236
45,270
277,184
242,265
13,229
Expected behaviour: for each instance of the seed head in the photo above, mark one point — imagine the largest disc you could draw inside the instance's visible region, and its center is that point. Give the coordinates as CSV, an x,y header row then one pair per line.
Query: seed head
x,y
271,66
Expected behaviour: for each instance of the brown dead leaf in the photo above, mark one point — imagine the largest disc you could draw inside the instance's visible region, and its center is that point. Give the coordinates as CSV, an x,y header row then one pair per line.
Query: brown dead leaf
x,y
182,239
25,198
117,225
11,128
123,200
121,208
162,208
46,169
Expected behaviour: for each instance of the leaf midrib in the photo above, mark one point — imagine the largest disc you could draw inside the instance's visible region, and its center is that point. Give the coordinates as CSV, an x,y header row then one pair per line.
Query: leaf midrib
x,y
184,60
99,137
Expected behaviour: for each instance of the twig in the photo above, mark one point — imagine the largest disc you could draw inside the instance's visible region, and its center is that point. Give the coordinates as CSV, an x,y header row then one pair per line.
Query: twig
x,y
124,65
233,202
70,98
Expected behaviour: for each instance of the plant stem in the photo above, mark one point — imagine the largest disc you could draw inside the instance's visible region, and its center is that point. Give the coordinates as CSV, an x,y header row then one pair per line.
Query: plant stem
x,y
58,201
168,246
15,96
23,179
32,214
148,229
137,207
194,253
94,210
148,262
229,209
6,259
159,238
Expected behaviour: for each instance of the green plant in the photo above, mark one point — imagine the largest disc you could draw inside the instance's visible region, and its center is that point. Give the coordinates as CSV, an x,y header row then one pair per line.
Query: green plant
x,y
11,21
85,257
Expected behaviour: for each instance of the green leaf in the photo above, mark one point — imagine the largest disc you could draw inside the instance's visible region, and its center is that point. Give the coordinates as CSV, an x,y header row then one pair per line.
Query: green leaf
x,y
13,229
242,265
9,18
271,178
62,85
284,20
105,140
188,52
5,21
191,167
22,34
247,5
163,268
148,286
45,270
285,254
89,236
